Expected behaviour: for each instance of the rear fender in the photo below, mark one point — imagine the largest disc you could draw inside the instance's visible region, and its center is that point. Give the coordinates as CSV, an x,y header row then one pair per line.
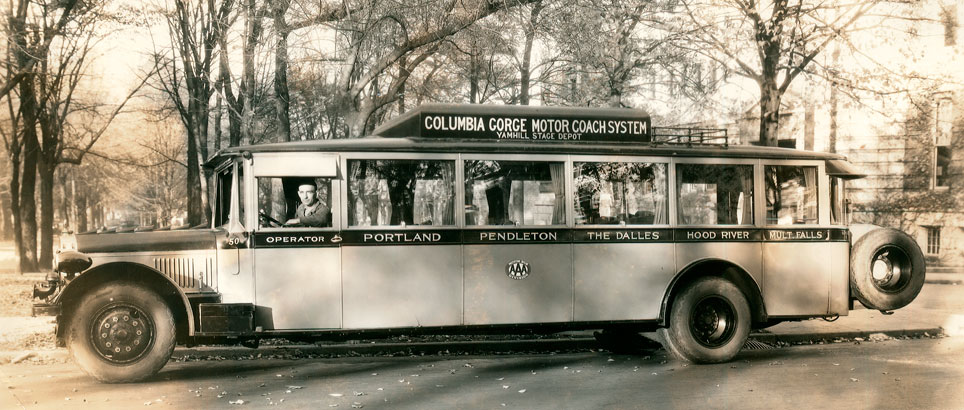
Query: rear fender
x,y
715,267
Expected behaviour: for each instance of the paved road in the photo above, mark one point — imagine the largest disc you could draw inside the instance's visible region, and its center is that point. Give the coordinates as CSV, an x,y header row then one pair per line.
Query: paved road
x,y
925,373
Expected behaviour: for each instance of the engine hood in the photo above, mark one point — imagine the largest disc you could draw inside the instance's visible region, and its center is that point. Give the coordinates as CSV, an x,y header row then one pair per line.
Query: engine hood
x,y
156,241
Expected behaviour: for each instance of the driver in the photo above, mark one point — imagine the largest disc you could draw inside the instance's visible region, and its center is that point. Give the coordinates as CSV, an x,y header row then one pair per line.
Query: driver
x,y
310,212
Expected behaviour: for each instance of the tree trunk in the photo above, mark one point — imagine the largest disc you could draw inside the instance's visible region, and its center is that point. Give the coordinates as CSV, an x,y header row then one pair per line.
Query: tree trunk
x,y
252,30
6,227
47,171
525,72
28,205
473,80
281,95
769,114
233,105
194,213
403,72
28,181
218,112
15,206
832,144
82,210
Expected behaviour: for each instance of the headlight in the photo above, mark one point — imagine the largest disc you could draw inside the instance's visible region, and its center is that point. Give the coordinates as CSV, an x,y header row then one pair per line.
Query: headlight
x,y
71,262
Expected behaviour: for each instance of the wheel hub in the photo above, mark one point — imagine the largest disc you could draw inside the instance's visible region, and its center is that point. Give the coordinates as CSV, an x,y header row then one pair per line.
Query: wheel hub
x,y
713,322
890,269
121,333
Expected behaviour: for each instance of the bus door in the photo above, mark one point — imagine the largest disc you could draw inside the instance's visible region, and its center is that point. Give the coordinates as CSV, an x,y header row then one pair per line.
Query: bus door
x,y
297,261
622,250
716,215
234,279
517,254
402,259
799,252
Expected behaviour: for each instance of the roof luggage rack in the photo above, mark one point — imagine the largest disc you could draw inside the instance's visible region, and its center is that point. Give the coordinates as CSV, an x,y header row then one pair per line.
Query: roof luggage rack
x,y
690,136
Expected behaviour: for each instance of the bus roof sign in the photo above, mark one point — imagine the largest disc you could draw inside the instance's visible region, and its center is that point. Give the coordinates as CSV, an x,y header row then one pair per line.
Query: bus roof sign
x,y
521,123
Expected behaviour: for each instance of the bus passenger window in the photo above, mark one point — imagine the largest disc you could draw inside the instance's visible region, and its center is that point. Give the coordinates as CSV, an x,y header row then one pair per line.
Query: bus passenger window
x,y
294,202
714,194
401,192
625,193
791,195
514,193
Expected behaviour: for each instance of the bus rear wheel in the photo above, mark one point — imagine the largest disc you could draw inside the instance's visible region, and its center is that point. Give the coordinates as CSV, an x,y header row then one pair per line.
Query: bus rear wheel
x,y
120,333
709,322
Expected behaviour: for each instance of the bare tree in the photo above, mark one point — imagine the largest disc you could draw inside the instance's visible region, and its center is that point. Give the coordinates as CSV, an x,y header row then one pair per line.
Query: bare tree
x,y
185,75
609,43
71,121
770,42
377,36
31,28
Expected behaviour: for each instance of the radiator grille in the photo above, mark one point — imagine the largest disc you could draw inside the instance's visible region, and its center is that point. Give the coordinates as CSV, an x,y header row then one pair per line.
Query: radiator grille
x,y
189,273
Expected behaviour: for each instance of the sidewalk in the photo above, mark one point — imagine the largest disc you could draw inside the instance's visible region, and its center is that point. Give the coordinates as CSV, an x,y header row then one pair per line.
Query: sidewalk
x,y
944,278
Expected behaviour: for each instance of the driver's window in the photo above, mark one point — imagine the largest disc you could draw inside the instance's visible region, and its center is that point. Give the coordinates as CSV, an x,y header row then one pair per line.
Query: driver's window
x,y
294,202
222,200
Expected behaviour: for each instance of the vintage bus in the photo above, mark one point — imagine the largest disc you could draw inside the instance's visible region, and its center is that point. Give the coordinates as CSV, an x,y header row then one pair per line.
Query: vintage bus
x,y
462,219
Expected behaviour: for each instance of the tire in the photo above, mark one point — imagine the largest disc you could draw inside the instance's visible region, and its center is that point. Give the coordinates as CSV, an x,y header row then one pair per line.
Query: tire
x,y
120,333
886,269
709,322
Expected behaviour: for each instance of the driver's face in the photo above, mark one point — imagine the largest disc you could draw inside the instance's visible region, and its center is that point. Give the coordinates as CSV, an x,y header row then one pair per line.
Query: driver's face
x,y
307,194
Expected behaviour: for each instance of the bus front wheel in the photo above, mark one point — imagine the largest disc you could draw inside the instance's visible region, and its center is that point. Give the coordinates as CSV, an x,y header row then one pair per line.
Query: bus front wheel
x,y
709,322
122,332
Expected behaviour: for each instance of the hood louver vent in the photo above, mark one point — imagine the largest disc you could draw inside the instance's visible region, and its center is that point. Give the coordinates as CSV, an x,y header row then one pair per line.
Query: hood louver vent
x,y
189,273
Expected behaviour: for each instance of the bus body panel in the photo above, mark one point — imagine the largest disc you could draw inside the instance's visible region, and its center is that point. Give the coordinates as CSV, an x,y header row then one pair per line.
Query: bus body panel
x,y
621,281
402,286
797,278
492,297
746,255
839,278
298,288
236,284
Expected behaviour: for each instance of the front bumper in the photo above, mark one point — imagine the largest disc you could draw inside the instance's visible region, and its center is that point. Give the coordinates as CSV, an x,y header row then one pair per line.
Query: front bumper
x,y
45,309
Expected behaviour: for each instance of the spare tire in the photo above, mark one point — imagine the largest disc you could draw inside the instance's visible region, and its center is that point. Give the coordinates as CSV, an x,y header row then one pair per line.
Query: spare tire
x,y
886,269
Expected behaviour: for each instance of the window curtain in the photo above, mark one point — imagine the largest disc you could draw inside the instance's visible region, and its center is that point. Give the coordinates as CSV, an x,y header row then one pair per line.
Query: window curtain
x,y
444,213
810,195
557,173
747,180
356,208
659,195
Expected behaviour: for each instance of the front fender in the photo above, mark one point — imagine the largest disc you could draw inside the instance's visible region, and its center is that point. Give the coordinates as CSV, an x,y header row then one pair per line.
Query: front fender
x,y
130,272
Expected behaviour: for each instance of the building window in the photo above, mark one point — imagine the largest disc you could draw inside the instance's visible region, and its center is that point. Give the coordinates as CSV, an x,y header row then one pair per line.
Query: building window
x,y
949,18
942,141
933,240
